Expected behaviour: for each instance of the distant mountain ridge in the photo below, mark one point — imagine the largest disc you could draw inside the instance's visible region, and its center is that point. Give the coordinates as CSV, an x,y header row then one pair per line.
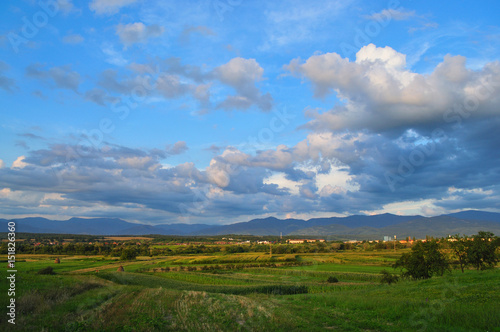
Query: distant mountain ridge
x,y
353,227
99,226
419,228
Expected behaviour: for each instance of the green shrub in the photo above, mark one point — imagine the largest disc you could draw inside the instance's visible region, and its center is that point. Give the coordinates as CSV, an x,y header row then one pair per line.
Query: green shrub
x,y
388,278
47,270
332,279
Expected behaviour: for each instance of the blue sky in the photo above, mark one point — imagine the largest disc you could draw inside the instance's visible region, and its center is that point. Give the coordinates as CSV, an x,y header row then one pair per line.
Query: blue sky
x,y
220,111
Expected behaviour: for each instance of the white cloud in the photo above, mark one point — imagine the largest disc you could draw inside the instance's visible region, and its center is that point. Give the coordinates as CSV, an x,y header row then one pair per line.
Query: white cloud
x,y
2,164
338,178
242,75
19,162
381,94
109,7
20,198
240,72
66,6
137,32
329,190
279,178
217,174
112,56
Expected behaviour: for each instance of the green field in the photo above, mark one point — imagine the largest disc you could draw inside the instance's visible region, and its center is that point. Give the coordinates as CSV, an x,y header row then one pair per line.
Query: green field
x,y
215,292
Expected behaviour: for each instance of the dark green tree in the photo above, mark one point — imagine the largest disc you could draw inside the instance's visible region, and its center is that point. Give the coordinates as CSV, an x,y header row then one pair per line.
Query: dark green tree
x,y
424,261
460,245
481,251
128,254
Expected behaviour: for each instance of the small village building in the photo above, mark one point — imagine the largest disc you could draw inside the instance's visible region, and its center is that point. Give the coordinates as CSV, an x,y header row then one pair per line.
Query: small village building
x,y
297,241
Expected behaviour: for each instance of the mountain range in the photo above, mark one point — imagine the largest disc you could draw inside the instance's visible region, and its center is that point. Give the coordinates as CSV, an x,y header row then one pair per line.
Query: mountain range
x,y
351,227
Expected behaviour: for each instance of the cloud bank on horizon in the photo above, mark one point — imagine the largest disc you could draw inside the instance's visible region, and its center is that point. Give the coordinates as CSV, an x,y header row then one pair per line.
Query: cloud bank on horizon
x,y
220,111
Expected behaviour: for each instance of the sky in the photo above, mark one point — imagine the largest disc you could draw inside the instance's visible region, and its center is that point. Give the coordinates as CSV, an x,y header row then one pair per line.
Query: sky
x,y
221,111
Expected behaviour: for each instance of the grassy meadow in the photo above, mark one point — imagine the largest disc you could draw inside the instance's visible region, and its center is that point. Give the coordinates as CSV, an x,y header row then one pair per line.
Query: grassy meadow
x,y
247,292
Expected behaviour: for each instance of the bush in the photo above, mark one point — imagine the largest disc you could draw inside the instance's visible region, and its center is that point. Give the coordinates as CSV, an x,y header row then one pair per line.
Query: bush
x,y
388,278
332,279
47,270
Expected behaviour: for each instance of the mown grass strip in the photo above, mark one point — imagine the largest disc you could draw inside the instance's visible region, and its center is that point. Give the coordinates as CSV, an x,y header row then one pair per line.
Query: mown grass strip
x,y
125,278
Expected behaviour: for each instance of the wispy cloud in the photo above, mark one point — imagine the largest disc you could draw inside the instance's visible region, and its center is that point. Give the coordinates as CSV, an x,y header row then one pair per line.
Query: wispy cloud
x,y
63,77
137,32
73,39
392,14
6,83
109,7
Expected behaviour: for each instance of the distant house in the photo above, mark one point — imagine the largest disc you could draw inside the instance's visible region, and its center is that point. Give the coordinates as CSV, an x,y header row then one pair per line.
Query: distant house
x,y
303,240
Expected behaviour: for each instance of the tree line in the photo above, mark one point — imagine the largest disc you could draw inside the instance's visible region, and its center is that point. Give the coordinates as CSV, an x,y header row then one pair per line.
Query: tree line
x,y
147,248
427,259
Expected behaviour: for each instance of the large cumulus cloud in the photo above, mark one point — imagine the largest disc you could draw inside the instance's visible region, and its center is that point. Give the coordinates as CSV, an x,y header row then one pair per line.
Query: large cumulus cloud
x,y
402,135
381,94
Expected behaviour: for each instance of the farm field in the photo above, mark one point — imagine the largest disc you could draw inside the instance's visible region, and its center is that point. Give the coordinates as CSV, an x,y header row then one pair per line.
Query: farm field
x,y
247,291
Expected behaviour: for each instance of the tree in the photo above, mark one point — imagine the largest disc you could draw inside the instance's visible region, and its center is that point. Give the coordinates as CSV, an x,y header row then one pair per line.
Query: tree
x,y
481,251
332,279
460,245
128,254
424,261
